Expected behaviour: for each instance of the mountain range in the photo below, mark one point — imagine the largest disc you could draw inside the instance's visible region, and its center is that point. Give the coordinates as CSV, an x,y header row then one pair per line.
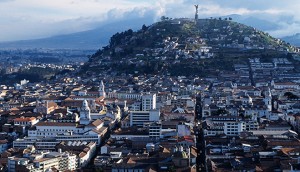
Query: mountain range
x,y
99,37
294,39
265,25
255,22
90,39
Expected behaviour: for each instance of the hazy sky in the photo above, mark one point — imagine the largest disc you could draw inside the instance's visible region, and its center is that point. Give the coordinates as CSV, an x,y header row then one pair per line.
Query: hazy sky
x,y
28,19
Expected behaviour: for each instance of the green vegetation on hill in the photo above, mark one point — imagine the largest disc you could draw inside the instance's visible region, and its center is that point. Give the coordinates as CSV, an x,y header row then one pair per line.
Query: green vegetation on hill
x,y
33,74
182,47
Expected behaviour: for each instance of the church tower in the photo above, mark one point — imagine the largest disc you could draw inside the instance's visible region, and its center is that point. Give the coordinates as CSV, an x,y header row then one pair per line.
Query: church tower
x,y
85,113
268,99
101,90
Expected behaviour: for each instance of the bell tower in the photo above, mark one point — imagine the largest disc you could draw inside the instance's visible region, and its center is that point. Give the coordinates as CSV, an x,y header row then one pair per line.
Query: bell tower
x,y
268,99
85,113
101,90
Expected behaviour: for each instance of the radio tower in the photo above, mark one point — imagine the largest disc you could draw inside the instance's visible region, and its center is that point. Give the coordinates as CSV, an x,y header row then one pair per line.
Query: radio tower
x,y
196,14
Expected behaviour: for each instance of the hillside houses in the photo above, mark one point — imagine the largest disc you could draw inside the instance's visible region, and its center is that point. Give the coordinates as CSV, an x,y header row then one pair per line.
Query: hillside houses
x,y
160,105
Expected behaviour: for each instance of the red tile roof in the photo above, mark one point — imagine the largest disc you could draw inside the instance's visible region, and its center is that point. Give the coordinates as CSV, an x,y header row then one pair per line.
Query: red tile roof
x,y
67,124
27,119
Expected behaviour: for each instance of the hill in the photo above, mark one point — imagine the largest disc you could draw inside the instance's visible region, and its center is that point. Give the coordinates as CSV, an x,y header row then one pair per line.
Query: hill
x,y
185,47
96,38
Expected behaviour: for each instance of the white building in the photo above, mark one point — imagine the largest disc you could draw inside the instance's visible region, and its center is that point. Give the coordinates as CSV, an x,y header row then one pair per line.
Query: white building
x,y
138,118
28,121
148,102
229,125
183,130
124,95
85,157
155,130
148,112
43,162
24,82
85,151
234,128
181,102
55,132
69,131
285,85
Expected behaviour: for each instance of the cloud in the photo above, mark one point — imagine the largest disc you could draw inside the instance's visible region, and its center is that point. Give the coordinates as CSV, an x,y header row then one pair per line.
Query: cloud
x,y
36,19
2,1
28,19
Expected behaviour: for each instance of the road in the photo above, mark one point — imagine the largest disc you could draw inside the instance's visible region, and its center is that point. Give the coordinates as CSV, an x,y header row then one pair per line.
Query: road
x,y
200,141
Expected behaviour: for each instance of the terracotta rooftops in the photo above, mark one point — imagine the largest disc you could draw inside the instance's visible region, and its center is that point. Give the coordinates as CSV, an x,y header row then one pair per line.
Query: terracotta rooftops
x,y
96,123
22,119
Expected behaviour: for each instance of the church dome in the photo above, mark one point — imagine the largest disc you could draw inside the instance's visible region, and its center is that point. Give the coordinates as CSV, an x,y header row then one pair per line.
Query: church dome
x,y
85,105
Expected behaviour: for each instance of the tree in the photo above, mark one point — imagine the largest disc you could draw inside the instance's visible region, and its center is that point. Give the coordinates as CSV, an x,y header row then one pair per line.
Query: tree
x,y
290,95
93,88
144,28
219,112
289,55
99,169
164,18
129,32
172,168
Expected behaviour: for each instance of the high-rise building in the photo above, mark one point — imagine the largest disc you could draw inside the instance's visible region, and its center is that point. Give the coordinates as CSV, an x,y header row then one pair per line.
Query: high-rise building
x,y
138,118
148,102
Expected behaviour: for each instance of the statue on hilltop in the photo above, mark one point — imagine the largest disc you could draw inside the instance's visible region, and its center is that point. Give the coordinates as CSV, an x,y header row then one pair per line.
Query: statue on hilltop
x,y
196,14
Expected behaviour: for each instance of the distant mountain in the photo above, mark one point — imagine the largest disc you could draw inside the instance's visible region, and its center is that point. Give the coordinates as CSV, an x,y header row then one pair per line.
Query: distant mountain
x,y
91,39
255,22
96,38
294,39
